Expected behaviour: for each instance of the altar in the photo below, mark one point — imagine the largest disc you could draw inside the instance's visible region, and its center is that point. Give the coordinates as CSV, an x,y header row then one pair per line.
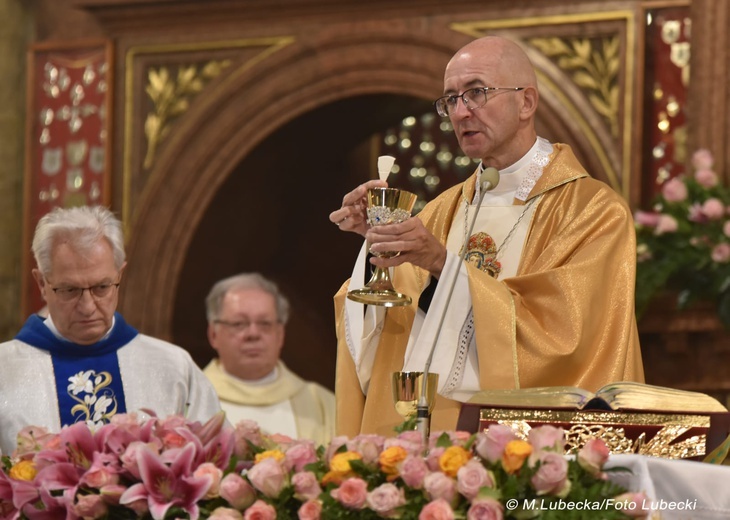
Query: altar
x,y
675,489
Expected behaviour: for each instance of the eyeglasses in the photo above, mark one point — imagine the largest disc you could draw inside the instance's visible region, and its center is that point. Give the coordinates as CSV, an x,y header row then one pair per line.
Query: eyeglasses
x,y
241,326
70,294
473,98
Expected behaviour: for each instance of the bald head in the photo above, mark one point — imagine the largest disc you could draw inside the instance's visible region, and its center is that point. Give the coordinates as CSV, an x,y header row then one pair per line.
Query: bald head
x,y
501,58
498,127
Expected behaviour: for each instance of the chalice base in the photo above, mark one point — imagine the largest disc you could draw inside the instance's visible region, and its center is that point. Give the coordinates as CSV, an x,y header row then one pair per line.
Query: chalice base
x,y
379,291
383,298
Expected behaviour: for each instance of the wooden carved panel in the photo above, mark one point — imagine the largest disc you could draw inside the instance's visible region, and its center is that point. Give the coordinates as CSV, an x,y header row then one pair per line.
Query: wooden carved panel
x,y
164,83
586,70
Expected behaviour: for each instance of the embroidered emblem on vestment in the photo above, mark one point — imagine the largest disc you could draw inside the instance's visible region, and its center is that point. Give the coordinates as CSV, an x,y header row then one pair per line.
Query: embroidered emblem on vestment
x,y
481,252
97,403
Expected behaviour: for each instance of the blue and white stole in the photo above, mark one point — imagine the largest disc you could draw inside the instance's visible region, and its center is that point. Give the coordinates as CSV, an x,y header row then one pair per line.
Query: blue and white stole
x,y
88,380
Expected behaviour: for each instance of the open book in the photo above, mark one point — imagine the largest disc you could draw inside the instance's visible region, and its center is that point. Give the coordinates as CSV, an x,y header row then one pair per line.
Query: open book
x,y
623,395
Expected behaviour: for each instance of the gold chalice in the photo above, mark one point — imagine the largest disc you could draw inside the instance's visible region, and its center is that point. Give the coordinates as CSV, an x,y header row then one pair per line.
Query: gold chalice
x,y
385,206
407,391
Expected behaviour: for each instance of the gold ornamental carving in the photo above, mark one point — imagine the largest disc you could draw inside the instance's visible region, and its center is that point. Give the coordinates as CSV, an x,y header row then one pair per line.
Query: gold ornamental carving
x,y
594,66
171,95
609,426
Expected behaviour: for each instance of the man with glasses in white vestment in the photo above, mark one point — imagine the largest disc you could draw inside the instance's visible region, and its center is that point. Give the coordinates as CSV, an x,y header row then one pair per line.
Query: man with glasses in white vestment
x,y
82,362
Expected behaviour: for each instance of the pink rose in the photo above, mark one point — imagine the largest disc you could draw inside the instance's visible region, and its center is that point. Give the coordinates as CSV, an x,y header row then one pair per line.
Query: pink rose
x,y
646,218
713,208
413,470
367,445
299,455
208,469
439,509
439,485
547,438
352,493
385,499
130,457
471,477
634,505
246,432
310,510
260,510
702,159
593,455
485,509
432,459
90,507
410,440
268,476
235,490
225,513
674,190
726,228
490,445
721,253
666,224
552,475
706,178
99,476
306,485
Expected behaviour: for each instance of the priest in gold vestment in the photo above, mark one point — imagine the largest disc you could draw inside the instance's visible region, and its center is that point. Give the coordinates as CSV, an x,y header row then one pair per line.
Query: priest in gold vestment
x,y
546,294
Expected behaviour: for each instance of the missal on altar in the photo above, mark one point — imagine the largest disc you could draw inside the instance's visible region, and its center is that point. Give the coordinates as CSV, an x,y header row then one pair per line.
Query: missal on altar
x,y
622,395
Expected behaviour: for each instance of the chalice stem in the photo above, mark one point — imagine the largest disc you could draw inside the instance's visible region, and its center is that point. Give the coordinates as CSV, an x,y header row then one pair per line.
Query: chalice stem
x,y
380,280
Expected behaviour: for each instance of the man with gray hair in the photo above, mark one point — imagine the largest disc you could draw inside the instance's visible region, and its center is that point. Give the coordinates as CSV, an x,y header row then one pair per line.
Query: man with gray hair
x,y
246,319
83,362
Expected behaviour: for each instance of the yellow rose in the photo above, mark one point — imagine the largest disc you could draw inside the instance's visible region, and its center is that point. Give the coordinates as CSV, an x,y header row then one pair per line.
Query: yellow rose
x,y
452,459
340,463
23,470
340,467
277,455
515,453
390,458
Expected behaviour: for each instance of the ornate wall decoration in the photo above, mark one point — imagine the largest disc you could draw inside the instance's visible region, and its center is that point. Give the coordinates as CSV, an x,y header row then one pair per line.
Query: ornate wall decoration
x,y
593,65
67,150
163,82
667,82
171,95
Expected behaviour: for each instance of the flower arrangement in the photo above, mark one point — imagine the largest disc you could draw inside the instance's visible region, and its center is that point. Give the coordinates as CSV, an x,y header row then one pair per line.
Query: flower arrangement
x,y
170,468
683,244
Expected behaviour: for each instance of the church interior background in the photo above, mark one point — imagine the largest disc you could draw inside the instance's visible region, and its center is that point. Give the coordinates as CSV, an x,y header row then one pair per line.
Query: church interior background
x,y
223,133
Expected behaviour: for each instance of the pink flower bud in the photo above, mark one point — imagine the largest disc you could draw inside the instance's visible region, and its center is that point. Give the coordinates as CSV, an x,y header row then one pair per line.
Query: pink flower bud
x,y
235,490
593,455
702,159
674,190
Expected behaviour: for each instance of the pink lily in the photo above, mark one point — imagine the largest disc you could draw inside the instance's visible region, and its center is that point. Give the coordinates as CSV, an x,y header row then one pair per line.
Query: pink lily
x,y
166,486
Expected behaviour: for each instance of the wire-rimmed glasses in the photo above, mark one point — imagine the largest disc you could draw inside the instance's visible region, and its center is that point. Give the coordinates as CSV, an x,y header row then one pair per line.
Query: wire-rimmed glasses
x,y
473,98
71,294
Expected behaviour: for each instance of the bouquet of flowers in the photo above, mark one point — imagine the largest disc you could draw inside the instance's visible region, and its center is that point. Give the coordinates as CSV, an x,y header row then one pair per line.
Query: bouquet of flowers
x,y
171,468
683,244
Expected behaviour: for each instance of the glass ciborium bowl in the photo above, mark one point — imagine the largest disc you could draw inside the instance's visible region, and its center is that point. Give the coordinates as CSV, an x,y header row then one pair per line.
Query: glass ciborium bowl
x,y
385,206
407,388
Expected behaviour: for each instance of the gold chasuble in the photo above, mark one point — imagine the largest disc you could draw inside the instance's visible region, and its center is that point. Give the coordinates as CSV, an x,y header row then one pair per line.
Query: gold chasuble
x,y
566,319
